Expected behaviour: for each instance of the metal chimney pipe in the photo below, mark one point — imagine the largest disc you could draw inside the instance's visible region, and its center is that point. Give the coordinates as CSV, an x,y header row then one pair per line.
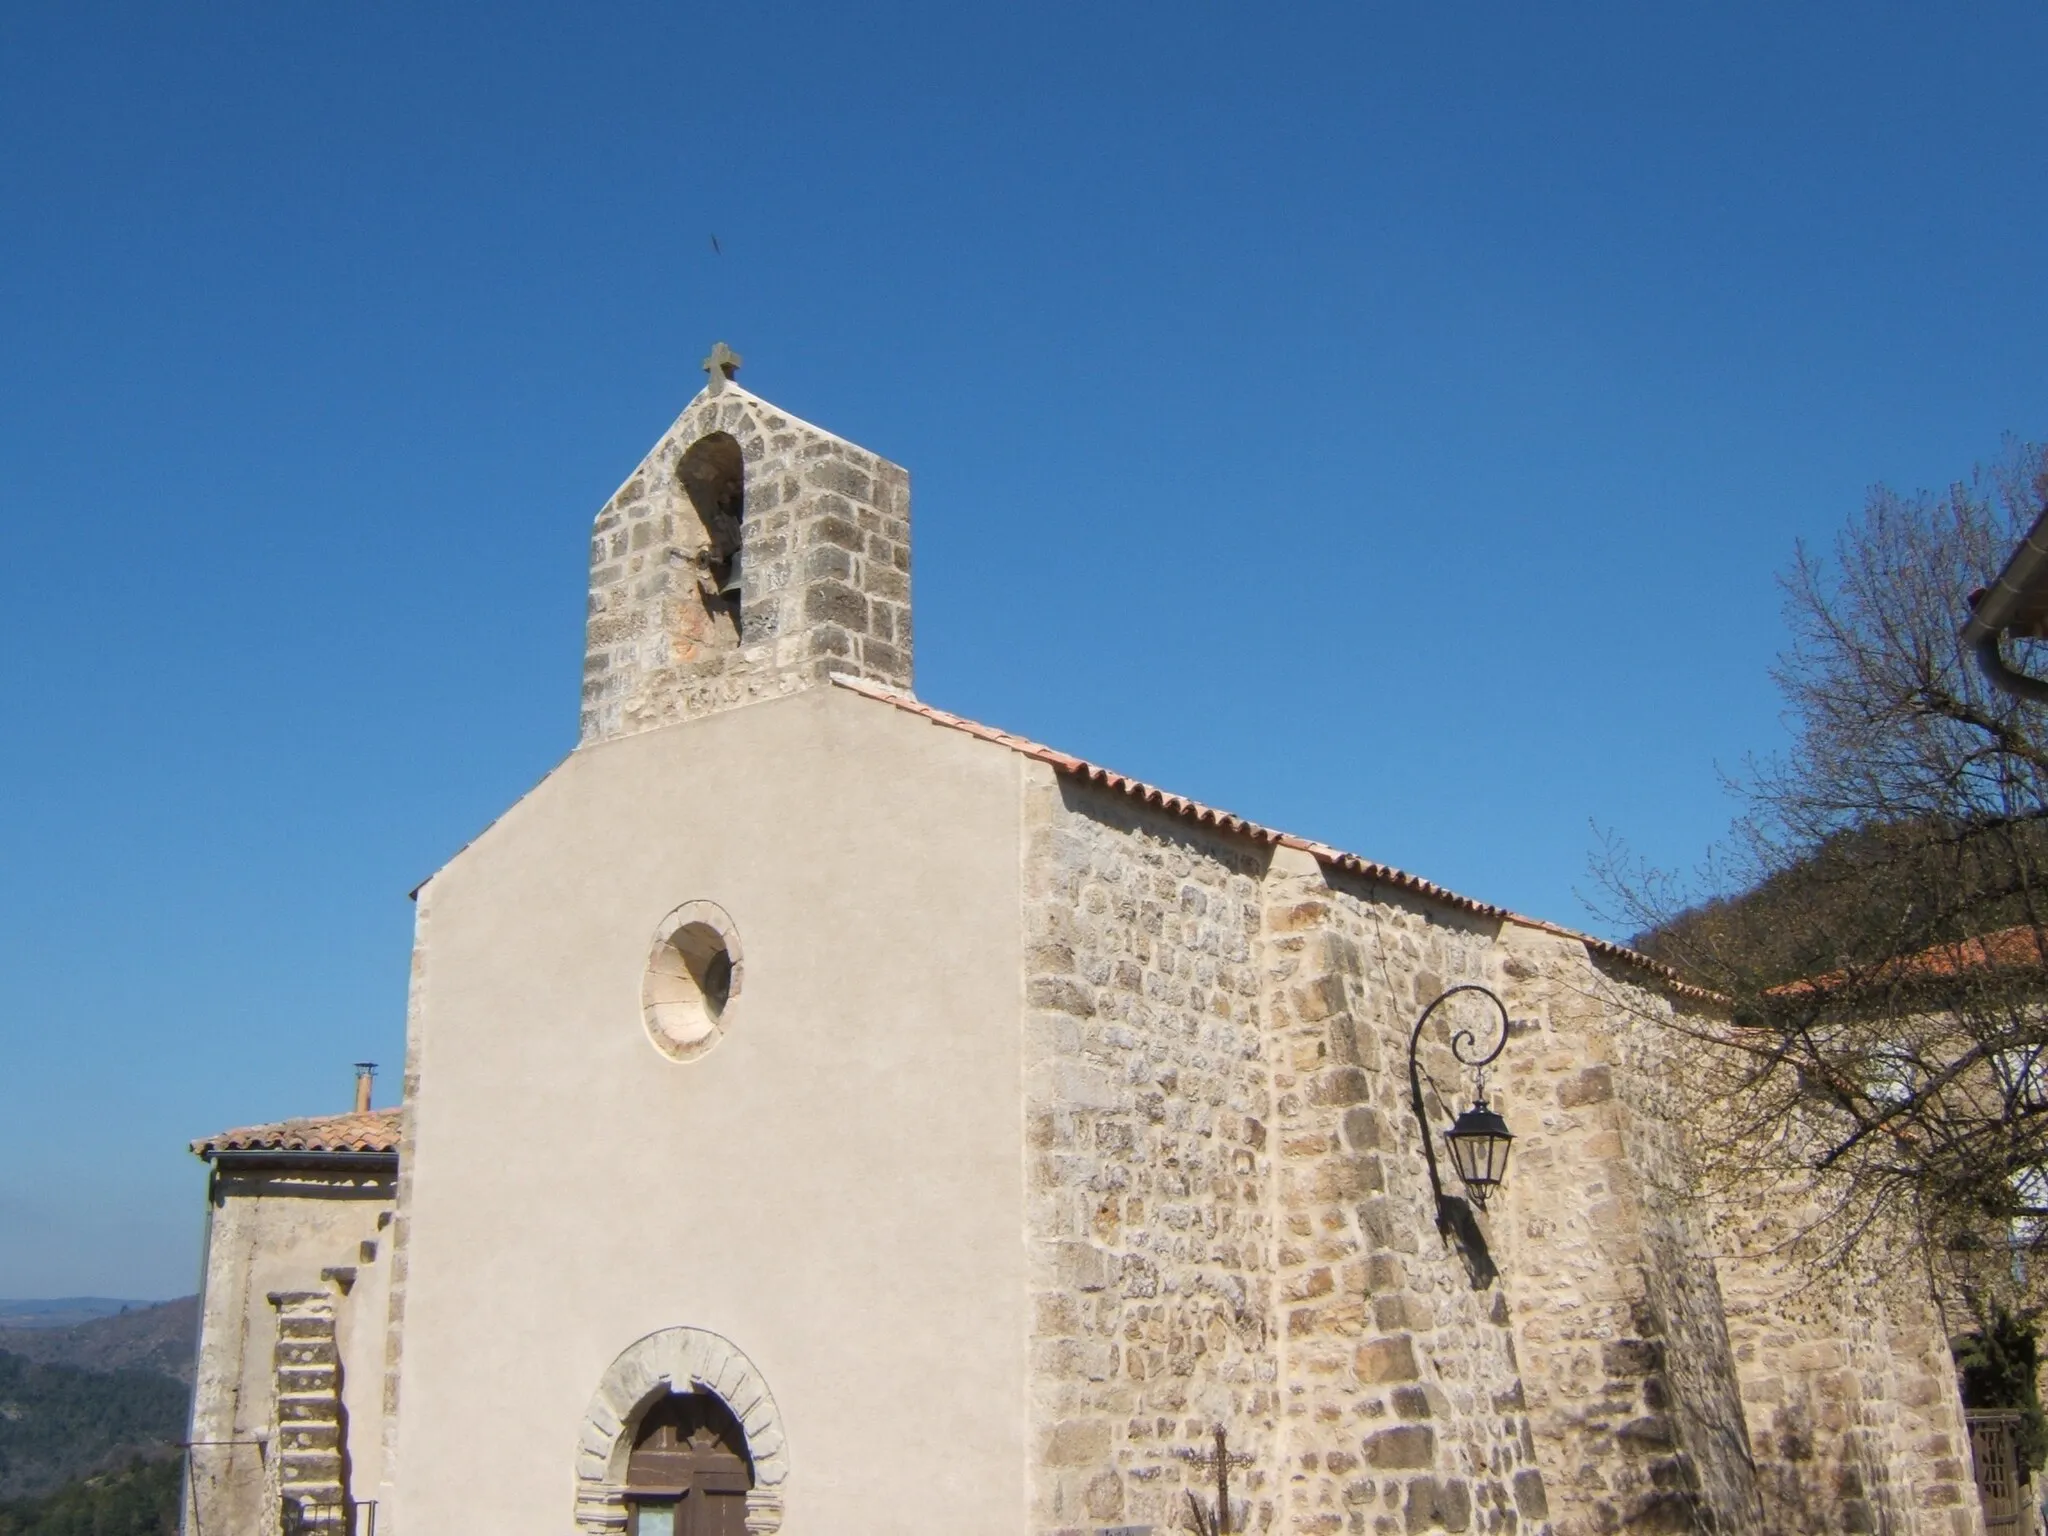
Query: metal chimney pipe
x,y
366,1073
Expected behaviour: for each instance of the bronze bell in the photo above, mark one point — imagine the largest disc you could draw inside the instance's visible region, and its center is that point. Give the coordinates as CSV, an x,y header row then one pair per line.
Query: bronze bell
x,y
729,583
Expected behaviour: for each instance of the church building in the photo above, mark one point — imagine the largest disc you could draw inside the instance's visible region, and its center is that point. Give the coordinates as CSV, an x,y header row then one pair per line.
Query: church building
x,y
823,1113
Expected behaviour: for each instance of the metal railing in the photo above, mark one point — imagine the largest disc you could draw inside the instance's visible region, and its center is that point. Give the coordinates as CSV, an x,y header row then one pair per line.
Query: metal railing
x,y
345,1517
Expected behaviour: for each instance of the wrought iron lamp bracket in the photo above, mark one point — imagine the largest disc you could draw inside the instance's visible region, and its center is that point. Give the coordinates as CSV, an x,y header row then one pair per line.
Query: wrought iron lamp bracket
x,y
1462,1042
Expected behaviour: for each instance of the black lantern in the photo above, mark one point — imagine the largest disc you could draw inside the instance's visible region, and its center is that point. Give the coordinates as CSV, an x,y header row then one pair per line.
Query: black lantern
x,y
1479,1141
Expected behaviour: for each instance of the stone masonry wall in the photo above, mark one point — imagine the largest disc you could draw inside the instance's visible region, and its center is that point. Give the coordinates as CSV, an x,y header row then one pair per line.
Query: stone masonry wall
x,y
291,1335
1617,1306
1147,1166
1849,1388
825,574
1404,1409
1230,1219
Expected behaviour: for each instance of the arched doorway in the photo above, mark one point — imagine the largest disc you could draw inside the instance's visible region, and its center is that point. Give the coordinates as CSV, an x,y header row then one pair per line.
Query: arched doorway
x,y
688,1474
676,1362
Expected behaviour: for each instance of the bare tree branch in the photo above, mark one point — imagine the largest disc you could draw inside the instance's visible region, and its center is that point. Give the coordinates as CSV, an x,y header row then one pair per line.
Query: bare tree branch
x,y
1878,915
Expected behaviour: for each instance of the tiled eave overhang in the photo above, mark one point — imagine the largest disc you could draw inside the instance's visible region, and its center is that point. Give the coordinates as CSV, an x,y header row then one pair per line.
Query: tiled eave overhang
x,y
364,1141
1208,816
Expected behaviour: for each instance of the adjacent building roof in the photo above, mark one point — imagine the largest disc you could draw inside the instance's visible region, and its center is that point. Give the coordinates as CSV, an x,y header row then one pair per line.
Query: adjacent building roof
x,y
372,1132
2019,948
1209,816
2016,603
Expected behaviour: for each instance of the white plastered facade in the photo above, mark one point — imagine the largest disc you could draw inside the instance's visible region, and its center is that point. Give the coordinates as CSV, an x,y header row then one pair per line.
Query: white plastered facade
x,y
834,1189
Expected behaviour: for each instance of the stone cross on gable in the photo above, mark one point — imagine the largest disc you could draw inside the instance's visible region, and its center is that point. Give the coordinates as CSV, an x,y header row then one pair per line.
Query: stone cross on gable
x,y
722,364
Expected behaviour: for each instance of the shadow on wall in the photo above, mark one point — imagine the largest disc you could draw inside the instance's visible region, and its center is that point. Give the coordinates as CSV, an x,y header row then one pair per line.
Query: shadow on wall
x,y
1460,1228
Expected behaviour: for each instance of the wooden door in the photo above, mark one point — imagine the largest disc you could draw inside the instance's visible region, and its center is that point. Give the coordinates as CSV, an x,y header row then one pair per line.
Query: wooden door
x,y
689,1470
1994,1451
716,1506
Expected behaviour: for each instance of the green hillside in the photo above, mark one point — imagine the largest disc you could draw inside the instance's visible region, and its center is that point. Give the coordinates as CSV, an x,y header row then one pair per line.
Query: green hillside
x,y
139,1500
156,1338
59,1422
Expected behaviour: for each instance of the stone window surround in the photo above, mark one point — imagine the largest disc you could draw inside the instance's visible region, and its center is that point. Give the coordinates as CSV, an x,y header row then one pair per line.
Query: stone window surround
x,y
710,915
675,1360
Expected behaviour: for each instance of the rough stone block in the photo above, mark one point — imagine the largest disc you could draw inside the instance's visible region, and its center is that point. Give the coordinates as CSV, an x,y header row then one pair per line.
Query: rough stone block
x,y
836,603
1384,1360
1594,1085
1084,1267
1078,1443
1631,1357
1406,1446
1422,1402
1082,1085
1364,1129
1651,1432
1400,1310
1061,994
1339,1086
842,478
1438,1504
1531,1501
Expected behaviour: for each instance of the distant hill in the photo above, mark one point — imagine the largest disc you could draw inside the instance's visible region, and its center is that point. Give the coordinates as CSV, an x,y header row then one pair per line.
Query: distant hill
x,y
162,1337
64,1312
141,1499
58,1422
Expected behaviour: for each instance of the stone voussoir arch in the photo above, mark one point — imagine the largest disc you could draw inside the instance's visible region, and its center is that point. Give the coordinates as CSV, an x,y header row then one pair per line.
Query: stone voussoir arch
x,y
675,1360
735,413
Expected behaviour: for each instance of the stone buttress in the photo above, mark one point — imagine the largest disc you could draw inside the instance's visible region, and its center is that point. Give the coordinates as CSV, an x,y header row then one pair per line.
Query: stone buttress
x,y
1404,1403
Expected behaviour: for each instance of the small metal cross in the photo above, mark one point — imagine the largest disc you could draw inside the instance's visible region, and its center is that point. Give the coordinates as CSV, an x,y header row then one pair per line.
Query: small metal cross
x,y
722,364
1222,1459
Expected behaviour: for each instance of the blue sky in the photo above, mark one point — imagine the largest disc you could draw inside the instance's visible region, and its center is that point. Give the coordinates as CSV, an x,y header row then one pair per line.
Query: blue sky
x,y
1382,421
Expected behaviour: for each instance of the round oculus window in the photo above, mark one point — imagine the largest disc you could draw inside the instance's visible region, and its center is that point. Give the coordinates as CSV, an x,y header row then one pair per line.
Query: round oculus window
x,y
692,980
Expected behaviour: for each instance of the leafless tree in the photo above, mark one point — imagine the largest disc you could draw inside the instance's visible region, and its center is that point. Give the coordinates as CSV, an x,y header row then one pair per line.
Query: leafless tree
x,y
1878,918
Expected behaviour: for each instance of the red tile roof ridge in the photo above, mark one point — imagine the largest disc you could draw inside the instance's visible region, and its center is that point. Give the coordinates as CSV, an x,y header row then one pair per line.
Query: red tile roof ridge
x,y
1209,816
2020,947
373,1130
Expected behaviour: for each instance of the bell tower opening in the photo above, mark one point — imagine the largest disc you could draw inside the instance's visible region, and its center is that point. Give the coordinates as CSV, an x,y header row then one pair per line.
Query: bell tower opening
x,y
713,475
749,555
689,1471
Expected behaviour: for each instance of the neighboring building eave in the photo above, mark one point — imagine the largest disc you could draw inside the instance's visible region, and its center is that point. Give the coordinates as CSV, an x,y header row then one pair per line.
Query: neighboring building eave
x,y
304,1162
2015,604
367,1137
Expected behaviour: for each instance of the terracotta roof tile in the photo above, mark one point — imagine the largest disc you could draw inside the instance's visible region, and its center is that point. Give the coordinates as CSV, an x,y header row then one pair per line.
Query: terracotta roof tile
x,y
374,1130
2023,947
1209,816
